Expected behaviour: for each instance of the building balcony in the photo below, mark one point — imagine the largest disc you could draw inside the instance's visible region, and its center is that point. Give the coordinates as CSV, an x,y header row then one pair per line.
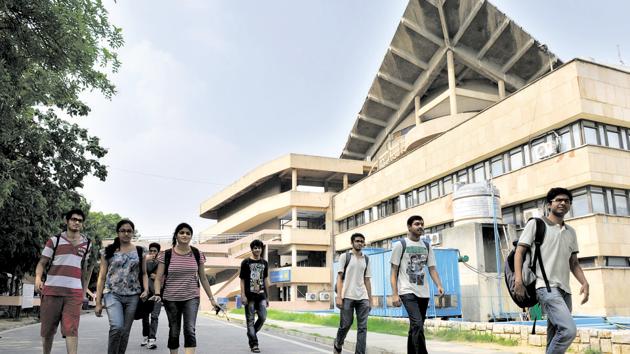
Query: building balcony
x,y
300,275
305,236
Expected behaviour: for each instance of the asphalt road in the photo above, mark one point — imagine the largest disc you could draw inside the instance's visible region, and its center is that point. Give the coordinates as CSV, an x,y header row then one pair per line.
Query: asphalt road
x,y
213,336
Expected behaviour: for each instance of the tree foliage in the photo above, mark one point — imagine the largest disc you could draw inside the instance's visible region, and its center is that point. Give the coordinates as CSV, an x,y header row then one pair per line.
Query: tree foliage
x,y
50,52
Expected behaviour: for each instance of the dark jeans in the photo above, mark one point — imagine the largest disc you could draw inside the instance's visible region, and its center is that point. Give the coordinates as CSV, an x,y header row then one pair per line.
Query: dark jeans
x,y
175,310
417,309
150,321
120,310
255,307
362,307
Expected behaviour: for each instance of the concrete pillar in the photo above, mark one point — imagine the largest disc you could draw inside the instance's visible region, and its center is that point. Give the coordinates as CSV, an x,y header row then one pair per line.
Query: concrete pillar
x,y
266,255
450,65
294,218
345,181
294,293
293,256
294,178
416,103
501,89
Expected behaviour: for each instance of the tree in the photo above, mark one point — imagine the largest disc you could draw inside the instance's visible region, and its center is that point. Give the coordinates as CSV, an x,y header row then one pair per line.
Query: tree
x,y
50,52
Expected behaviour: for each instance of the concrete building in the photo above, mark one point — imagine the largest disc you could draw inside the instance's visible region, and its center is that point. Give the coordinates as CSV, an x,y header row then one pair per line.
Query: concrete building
x,y
463,95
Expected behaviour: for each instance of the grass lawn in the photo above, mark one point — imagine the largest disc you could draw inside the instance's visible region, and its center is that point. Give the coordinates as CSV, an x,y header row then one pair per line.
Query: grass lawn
x,y
382,325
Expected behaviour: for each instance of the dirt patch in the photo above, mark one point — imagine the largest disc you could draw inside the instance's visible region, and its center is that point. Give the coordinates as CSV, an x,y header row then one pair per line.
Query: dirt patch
x,y
9,323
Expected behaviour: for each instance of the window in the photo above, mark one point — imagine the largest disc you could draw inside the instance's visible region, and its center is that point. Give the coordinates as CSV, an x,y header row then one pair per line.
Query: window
x,y
598,200
577,137
496,166
580,203
590,133
479,172
613,137
301,291
462,176
621,202
508,216
447,182
382,210
587,262
343,226
565,140
516,159
351,222
395,205
409,199
360,218
617,262
434,190
422,195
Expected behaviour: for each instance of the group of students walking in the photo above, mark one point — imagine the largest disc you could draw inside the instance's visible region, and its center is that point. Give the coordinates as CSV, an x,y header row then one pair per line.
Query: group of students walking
x,y
128,278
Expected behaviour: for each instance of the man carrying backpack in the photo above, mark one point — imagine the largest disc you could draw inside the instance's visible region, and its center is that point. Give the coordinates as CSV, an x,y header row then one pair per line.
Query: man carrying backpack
x,y
66,279
410,259
354,292
558,252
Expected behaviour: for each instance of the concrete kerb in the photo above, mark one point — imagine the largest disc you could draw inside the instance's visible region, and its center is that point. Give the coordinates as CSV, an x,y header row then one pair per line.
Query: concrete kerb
x,y
276,329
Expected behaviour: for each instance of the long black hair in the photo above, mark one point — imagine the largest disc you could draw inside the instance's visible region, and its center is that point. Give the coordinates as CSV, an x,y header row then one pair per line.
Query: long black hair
x,y
178,228
109,250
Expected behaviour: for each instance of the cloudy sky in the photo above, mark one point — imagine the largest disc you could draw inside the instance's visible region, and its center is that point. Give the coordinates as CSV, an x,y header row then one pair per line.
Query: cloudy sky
x,y
208,90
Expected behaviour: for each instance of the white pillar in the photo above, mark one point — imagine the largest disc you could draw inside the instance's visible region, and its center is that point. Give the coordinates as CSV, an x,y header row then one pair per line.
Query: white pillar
x,y
294,218
501,89
345,181
416,103
293,256
450,65
294,178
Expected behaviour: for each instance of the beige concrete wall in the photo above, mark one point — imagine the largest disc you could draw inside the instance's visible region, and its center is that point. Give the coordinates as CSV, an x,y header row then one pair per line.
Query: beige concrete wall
x,y
267,208
306,237
309,275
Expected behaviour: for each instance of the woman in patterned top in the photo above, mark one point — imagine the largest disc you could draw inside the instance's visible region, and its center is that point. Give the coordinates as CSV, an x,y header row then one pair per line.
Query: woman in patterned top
x,y
182,267
122,266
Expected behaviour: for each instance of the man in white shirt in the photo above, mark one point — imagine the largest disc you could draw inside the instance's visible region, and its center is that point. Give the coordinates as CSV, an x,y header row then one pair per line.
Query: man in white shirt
x,y
410,259
354,293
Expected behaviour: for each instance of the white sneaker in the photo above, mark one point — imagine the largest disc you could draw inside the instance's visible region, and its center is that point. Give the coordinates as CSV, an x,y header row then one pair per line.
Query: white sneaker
x,y
151,344
145,340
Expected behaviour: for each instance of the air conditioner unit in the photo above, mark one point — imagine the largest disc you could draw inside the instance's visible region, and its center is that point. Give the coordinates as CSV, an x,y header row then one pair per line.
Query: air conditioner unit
x,y
435,239
311,297
324,296
531,213
543,150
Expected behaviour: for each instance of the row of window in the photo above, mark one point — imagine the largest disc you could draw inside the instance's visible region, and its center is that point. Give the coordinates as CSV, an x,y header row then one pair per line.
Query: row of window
x,y
586,200
607,261
580,133
387,243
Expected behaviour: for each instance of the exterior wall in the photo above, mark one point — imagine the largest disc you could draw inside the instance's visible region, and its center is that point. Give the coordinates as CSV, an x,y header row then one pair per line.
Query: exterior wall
x,y
306,237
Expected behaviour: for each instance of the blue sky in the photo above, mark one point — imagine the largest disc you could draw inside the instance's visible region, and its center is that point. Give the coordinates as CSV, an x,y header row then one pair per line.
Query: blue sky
x,y
209,90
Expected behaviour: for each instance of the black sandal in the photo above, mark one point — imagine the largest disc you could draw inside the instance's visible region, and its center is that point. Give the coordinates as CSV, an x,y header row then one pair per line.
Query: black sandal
x,y
255,349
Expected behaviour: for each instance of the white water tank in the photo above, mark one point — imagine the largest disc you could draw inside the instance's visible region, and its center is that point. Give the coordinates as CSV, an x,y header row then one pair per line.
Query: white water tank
x,y
473,202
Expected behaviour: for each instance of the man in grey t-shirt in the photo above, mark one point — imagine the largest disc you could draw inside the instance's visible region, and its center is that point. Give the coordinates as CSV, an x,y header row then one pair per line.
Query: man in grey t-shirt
x,y
559,256
354,293
409,283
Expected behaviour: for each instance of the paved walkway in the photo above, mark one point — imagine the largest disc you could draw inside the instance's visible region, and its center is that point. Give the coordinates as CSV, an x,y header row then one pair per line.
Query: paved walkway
x,y
381,343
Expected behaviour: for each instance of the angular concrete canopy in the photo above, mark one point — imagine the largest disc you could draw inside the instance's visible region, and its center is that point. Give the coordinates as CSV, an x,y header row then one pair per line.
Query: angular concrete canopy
x,y
487,47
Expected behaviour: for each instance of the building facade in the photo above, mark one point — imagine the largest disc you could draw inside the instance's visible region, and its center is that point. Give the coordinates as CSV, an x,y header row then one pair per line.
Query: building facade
x,y
463,96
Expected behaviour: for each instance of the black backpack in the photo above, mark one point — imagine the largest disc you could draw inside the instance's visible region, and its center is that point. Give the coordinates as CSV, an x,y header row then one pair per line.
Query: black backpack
x,y
530,289
348,255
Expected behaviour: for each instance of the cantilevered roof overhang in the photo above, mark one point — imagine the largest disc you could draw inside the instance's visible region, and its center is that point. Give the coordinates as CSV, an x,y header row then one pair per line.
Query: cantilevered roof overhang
x,y
486,46
311,169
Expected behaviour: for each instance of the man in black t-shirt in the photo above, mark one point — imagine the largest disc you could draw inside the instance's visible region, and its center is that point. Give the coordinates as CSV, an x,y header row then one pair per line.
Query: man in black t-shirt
x,y
254,283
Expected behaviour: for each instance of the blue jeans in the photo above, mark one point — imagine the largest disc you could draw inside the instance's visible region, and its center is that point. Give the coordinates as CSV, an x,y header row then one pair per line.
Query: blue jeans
x,y
362,308
150,321
120,310
259,307
175,310
417,309
561,330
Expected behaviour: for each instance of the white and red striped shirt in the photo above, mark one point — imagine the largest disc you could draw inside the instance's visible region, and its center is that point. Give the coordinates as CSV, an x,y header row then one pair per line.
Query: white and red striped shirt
x,y
64,276
182,280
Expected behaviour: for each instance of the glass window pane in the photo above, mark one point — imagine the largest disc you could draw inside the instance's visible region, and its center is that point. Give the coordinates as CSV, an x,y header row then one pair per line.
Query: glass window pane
x,y
448,185
508,216
422,195
496,166
590,133
479,173
462,176
580,205
612,134
599,202
434,191
621,203
565,140
577,138
616,261
516,159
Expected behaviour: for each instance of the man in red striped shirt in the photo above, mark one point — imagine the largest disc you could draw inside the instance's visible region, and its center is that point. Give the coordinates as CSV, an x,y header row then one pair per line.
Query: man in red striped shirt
x,y
64,288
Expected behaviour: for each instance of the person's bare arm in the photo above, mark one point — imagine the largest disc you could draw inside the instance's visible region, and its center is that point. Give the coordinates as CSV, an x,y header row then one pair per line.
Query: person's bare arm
x,y
578,273
145,279
339,286
394,283
39,273
436,279
368,286
519,287
100,285
243,295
